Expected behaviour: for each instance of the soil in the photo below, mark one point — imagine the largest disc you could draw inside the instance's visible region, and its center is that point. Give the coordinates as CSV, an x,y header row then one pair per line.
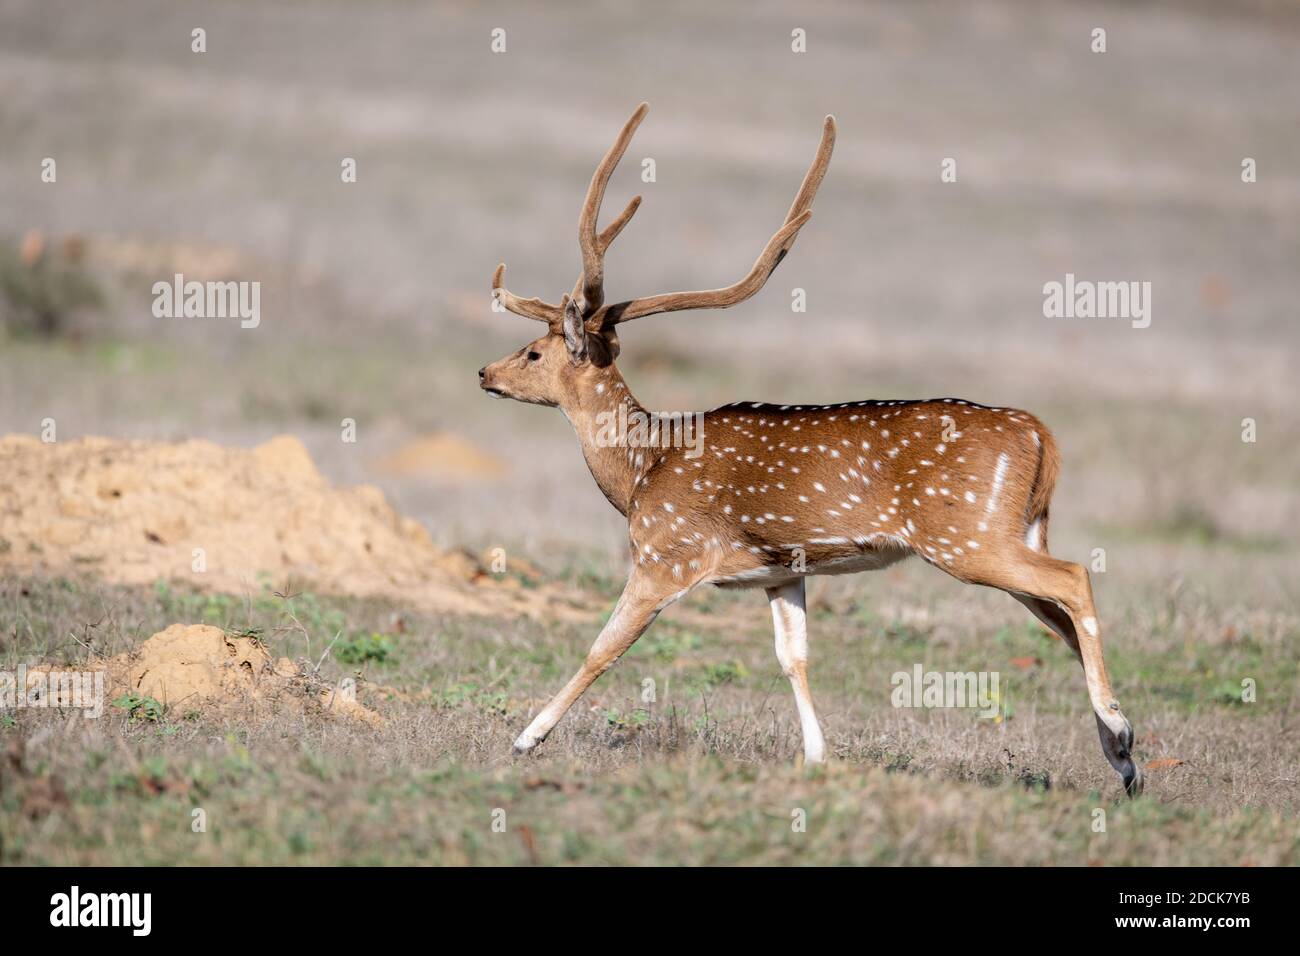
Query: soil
x,y
231,520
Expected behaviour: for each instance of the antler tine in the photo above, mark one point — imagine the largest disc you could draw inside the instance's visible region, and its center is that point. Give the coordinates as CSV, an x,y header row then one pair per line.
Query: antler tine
x,y
764,266
771,256
812,180
531,308
593,251
608,235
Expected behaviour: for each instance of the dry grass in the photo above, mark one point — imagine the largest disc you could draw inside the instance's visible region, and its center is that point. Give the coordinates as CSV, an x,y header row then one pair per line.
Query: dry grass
x,y
708,773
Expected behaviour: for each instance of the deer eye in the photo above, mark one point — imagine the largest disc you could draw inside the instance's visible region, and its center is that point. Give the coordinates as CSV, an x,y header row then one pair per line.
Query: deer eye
x,y
534,356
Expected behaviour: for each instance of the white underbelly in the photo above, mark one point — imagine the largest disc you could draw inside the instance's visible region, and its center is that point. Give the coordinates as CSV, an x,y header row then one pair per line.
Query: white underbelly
x,y
872,560
776,575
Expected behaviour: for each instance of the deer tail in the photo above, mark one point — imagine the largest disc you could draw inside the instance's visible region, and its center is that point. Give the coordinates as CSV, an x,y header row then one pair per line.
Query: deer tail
x,y
1040,496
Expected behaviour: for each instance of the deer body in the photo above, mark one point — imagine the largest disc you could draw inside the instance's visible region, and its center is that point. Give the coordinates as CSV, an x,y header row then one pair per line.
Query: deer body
x,y
773,493
840,488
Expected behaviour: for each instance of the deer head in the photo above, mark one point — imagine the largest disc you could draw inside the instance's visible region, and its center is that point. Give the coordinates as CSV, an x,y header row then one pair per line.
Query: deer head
x,y
581,337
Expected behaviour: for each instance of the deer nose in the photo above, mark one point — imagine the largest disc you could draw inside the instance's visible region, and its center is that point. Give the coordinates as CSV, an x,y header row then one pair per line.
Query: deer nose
x,y
482,373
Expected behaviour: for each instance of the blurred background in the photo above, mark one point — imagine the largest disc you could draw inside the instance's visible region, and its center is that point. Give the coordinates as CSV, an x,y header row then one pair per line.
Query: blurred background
x,y
375,306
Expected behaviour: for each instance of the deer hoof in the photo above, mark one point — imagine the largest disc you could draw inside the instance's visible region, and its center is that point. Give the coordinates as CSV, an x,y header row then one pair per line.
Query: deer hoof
x,y
1132,775
1117,744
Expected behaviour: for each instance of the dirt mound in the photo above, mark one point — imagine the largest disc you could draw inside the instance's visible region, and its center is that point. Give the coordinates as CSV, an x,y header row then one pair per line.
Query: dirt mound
x,y
228,519
442,455
196,662
135,256
203,669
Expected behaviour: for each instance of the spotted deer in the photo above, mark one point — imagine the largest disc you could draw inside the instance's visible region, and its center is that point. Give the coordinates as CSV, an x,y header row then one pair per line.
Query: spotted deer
x,y
779,492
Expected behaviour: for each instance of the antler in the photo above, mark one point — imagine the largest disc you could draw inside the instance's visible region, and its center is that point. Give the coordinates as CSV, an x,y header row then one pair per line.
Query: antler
x,y
773,252
591,284
608,235
532,308
593,247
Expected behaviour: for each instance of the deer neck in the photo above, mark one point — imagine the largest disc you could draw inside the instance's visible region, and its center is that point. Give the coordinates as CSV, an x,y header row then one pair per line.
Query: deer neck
x,y
600,411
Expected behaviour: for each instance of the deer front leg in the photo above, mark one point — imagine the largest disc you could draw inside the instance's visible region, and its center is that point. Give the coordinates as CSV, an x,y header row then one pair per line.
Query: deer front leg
x,y
791,624
637,608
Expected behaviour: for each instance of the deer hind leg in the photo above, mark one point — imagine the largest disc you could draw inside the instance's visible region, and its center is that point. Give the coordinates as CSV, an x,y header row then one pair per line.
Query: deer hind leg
x,y
1114,746
1054,619
790,621
637,608
1059,594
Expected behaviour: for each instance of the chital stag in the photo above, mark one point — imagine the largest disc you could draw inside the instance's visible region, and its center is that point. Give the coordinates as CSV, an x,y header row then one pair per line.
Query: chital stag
x,y
782,491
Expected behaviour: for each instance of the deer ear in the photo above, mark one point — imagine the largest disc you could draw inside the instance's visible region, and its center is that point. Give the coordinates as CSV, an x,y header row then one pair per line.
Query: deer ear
x,y
575,332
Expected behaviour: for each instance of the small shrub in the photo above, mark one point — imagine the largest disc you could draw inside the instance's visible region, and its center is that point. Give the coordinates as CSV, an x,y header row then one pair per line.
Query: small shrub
x,y
40,291
139,707
360,648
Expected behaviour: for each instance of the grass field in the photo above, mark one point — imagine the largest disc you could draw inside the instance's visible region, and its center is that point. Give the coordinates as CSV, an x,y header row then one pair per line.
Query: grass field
x,y
706,773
